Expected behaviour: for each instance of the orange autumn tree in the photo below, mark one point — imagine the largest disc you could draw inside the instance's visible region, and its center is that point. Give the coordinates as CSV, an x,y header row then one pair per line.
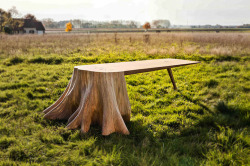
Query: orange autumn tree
x,y
68,27
147,26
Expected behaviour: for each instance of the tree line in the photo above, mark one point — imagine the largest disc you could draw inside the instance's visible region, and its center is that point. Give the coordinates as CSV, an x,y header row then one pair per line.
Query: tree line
x,y
77,23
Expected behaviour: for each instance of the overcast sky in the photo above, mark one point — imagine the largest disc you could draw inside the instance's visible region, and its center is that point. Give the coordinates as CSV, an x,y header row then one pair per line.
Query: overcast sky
x,y
185,12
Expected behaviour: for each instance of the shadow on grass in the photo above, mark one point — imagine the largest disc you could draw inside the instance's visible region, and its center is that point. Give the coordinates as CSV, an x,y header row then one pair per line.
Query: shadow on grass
x,y
195,101
188,146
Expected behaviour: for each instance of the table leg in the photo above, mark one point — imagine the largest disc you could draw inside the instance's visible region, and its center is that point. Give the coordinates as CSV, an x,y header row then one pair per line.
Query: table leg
x,y
172,78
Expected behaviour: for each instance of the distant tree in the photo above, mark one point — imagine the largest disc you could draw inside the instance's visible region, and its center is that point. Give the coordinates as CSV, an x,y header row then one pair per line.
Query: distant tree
x,y
161,23
76,23
14,12
6,21
15,23
7,30
68,27
86,25
147,26
132,24
30,16
61,24
2,13
156,24
49,23
244,26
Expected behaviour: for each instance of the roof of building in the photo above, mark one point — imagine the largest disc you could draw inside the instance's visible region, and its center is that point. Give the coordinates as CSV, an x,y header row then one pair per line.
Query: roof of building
x,y
39,26
30,23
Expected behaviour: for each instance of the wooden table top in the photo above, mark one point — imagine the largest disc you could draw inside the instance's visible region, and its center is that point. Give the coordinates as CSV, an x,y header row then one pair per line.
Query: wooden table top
x,y
136,66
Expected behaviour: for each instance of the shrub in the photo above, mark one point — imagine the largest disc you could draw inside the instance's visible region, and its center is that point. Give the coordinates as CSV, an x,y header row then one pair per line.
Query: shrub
x,y
53,60
13,61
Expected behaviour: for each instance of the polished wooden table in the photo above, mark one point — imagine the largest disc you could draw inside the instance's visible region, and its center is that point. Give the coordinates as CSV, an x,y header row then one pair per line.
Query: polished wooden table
x,y
98,94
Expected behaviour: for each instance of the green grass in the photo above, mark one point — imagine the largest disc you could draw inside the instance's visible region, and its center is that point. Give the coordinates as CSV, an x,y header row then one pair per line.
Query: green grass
x,y
205,122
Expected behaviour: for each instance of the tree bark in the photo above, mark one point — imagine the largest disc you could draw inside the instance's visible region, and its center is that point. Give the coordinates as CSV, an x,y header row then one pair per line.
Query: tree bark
x,y
94,97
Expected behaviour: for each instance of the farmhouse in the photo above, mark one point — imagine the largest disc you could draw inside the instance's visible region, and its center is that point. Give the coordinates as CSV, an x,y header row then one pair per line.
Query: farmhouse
x,y
30,26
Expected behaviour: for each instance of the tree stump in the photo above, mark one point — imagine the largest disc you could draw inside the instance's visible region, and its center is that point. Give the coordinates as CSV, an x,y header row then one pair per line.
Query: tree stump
x,y
94,98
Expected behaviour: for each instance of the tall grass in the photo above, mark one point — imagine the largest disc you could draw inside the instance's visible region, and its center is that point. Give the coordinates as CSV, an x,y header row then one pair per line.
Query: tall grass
x,y
204,43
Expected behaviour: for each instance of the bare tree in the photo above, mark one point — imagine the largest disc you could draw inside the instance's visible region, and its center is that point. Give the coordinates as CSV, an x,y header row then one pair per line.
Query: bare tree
x,y
161,23
14,12
49,23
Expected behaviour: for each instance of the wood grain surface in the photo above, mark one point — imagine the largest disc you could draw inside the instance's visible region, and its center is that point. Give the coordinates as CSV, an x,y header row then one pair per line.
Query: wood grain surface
x,y
136,66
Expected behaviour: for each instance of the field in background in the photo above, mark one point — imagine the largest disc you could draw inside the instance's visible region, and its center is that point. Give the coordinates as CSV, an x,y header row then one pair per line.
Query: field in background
x,y
137,30
205,122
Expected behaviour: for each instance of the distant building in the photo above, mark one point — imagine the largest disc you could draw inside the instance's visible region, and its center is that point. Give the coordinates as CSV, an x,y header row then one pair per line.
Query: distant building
x,y
30,26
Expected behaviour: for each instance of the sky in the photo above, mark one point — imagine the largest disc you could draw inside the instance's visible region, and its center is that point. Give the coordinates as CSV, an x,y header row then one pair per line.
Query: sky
x,y
178,12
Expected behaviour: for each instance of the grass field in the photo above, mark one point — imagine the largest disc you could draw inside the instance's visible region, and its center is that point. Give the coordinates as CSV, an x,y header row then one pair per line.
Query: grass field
x,y
205,122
